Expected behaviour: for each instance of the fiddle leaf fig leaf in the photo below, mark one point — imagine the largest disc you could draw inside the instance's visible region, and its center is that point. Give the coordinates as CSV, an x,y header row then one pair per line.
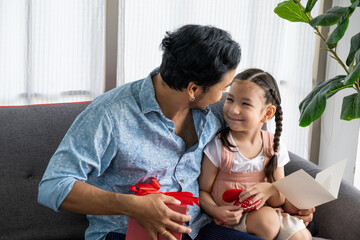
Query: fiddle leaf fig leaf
x,y
338,33
350,107
329,18
350,10
352,1
312,108
353,76
313,105
336,87
357,56
354,47
310,4
290,11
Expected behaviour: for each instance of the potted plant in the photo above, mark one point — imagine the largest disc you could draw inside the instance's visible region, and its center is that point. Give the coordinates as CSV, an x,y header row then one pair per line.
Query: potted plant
x,y
313,105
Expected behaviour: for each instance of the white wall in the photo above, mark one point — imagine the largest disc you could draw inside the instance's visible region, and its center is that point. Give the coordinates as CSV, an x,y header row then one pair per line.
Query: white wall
x,y
339,138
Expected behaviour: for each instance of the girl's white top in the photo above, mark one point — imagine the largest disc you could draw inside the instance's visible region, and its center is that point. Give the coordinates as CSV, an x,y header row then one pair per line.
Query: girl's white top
x,y
241,163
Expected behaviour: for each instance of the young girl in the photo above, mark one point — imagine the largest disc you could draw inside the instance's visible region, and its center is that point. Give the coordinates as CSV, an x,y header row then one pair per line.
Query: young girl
x,y
242,156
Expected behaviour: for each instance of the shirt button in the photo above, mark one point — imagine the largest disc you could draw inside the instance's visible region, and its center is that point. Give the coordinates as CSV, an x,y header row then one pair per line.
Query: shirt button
x,y
182,180
171,130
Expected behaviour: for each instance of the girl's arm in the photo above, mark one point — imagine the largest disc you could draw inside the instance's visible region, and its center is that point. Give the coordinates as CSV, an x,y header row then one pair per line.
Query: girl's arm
x,y
277,199
229,215
206,181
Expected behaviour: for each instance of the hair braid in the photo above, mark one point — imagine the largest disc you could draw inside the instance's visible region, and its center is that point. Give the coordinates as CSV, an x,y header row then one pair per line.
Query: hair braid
x,y
278,120
278,129
272,164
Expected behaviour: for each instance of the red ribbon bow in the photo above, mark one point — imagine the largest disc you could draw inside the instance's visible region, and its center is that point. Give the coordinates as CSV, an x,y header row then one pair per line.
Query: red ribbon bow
x,y
142,189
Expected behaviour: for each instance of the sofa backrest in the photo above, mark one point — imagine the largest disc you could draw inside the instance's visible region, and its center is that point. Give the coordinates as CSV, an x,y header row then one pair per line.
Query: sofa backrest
x,y
28,138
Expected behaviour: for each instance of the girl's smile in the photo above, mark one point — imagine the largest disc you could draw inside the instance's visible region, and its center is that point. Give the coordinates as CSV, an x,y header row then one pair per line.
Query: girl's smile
x,y
234,119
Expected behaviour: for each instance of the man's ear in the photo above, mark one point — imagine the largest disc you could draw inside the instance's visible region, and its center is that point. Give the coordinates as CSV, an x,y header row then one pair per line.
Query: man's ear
x,y
270,111
193,90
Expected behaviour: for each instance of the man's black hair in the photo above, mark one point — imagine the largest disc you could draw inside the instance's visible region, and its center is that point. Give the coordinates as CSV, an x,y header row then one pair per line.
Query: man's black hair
x,y
199,54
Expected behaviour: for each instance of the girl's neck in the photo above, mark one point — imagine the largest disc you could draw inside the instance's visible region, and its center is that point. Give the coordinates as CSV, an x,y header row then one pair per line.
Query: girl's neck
x,y
249,143
251,136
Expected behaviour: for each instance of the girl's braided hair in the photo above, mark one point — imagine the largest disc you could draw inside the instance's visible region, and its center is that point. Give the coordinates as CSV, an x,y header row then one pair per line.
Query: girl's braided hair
x,y
272,95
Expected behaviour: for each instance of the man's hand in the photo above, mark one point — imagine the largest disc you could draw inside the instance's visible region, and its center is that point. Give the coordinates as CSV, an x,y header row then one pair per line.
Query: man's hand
x,y
151,212
305,214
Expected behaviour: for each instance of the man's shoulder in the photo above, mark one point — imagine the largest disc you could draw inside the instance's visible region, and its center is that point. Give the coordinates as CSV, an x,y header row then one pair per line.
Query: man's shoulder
x,y
124,95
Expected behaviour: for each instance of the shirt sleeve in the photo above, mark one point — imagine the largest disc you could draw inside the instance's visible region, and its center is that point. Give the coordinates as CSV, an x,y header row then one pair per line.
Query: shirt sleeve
x,y
213,151
283,155
86,149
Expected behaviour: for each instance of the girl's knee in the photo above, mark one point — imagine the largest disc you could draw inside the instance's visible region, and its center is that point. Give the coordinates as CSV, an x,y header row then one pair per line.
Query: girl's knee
x,y
303,234
264,223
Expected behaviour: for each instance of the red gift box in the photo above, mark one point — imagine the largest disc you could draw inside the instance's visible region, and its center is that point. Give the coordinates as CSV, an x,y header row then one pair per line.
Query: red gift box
x,y
135,231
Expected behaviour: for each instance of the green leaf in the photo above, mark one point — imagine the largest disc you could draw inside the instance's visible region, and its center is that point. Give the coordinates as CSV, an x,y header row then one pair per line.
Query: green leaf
x,y
354,47
353,76
313,109
352,1
350,10
337,34
310,4
290,11
336,87
330,17
357,56
351,107
313,105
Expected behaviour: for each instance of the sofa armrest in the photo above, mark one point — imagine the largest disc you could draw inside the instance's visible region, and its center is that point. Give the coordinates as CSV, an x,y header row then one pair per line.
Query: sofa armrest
x,y
336,219
29,136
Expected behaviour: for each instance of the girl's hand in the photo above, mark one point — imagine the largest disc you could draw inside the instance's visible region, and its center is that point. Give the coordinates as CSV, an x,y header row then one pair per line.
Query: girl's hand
x,y
262,191
227,215
151,212
217,221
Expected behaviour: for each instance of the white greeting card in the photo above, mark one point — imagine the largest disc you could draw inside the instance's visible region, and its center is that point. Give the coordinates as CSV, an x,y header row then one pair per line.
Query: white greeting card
x,y
305,192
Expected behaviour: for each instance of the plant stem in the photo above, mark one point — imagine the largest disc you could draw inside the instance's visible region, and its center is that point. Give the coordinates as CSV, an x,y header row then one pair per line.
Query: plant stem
x,y
323,38
357,87
339,60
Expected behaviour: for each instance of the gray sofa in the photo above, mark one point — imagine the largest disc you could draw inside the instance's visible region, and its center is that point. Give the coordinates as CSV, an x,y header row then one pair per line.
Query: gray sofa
x,y
30,135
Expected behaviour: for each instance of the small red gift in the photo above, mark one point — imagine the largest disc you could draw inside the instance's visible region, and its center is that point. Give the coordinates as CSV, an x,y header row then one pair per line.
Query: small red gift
x,y
135,231
232,195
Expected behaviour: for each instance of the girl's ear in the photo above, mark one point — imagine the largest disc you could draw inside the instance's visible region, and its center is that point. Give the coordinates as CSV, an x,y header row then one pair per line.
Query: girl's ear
x,y
270,111
193,90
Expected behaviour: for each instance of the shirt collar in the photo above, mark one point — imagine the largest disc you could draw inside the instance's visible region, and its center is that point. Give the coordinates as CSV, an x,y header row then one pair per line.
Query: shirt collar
x,y
147,94
206,110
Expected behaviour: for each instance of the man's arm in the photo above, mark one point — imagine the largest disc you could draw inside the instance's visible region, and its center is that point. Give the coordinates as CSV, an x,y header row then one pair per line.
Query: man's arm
x,y
150,210
305,214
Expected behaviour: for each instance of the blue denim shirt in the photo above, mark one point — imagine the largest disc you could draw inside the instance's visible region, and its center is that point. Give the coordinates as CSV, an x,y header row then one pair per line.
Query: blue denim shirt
x,y
122,138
